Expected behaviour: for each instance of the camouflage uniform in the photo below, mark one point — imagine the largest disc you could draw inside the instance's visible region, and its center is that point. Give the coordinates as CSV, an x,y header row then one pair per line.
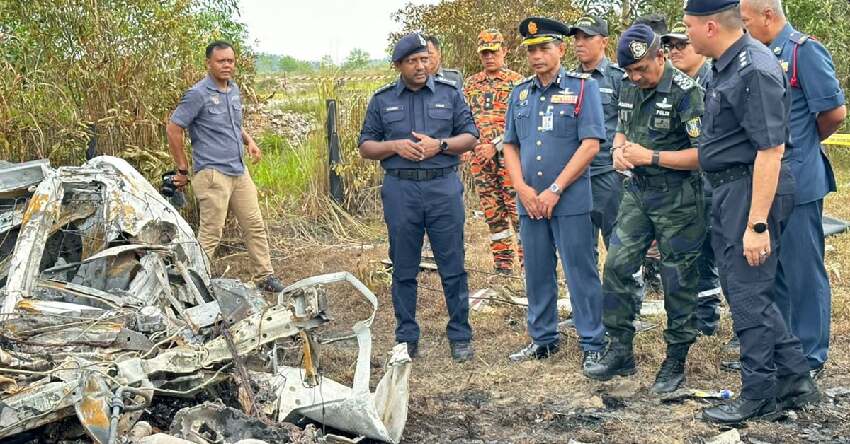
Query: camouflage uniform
x,y
488,100
658,203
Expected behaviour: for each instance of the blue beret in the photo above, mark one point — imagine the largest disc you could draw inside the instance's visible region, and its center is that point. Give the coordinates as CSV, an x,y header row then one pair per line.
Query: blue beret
x,y
708,7
407,45
634,44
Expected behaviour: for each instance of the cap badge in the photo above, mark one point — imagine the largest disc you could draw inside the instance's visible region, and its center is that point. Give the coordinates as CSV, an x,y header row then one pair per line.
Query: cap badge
x,y
638,49
532,28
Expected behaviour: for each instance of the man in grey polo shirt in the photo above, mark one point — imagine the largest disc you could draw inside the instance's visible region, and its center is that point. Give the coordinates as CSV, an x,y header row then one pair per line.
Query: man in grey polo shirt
x,y
212,112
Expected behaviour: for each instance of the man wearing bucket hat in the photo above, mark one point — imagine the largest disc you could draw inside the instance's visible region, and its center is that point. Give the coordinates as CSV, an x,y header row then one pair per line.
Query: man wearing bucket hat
x,y
659,122
487,93
553,129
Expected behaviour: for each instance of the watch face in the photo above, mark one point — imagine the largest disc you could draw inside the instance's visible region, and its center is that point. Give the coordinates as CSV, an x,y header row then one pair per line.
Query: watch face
x,y
760,227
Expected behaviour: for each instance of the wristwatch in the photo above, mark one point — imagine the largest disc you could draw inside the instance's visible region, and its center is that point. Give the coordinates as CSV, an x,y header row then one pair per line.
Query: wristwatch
x,y
555,189
656,158
758,227
444,146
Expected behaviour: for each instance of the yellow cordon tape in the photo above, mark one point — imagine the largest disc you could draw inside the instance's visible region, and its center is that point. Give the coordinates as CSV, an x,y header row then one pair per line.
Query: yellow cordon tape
x,y
838,140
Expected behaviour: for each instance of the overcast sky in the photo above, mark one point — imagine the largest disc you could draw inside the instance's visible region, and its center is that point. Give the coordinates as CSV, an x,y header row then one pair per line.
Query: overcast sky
x,y
309,29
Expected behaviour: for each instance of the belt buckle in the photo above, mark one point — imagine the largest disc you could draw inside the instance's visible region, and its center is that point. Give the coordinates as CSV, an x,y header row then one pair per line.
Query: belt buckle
x,y
421,175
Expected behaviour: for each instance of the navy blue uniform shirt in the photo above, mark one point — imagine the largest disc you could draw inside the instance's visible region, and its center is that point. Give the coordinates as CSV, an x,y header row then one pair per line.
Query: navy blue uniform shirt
x,y
544,154
746,107
438,110
609,76
817,91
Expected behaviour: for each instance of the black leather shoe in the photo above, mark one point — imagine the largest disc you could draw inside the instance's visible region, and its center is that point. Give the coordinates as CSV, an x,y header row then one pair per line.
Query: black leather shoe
x,y
270,284
412,349
589,358
618,360
461,351
535,351
740,410
671,375
793,392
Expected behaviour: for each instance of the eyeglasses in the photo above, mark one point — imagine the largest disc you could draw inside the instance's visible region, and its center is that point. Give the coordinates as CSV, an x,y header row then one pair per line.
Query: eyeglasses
x,y
680,45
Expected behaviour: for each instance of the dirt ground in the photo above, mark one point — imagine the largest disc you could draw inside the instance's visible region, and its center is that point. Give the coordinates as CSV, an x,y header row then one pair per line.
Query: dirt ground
x,y
494,401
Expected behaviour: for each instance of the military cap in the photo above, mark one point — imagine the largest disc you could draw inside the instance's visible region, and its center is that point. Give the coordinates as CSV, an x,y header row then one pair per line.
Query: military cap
x,y
679,32
590,25
634,44
490,40
657,22
708,7
407,45
536,30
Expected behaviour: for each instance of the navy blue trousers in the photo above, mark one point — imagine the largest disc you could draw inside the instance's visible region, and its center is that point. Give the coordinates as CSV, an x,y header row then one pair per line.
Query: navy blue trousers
x,y
412,208
708,298
768,349
802,291
572,238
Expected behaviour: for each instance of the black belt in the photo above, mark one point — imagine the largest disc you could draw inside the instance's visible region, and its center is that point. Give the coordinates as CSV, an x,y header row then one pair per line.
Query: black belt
x,y
420,174
664,180
731,174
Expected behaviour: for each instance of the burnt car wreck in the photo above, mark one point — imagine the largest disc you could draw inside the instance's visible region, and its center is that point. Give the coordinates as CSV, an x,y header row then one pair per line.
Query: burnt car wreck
x,y
108,303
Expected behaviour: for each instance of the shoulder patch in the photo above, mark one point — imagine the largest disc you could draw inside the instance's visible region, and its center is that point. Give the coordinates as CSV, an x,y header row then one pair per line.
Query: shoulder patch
x,y
385,87
744,60
445,81
683,81
578,75
798,37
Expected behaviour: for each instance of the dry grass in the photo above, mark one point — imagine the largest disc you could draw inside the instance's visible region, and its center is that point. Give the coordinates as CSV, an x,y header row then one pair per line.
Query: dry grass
x,y
491,400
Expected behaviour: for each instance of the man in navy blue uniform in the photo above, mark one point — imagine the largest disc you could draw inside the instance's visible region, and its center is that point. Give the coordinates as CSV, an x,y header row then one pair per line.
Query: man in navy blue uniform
x,y
417,126
817,111
553,129
744,131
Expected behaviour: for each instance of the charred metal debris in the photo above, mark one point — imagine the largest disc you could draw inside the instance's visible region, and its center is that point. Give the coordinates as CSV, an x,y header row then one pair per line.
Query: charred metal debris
x,y
107,303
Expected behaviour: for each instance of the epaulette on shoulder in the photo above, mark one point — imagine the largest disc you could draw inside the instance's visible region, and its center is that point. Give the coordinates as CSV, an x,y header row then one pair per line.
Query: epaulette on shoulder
x,y
578,75
684,81
798,37
456,71
446,81
745,60
385,87
616,67
525,80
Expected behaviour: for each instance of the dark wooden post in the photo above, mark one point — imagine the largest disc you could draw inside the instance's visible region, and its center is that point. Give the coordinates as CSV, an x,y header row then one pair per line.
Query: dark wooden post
x,y
333,152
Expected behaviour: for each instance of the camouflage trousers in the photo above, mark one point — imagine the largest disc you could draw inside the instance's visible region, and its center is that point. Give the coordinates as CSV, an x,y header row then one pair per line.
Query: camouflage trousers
x,y
498,201
668,208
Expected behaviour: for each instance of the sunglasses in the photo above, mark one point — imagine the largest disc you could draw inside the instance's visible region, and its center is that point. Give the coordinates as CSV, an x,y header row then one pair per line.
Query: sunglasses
x,y
680,45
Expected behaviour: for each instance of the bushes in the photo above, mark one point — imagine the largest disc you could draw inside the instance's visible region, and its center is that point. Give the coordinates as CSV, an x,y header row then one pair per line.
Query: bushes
x,y
119,66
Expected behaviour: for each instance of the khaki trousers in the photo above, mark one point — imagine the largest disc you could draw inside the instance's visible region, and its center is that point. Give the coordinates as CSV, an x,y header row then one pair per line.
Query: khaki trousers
x,y
217,193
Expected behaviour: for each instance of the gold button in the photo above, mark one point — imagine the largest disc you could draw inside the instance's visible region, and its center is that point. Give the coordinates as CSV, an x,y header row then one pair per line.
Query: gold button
x,y
540,173
539,143
539,157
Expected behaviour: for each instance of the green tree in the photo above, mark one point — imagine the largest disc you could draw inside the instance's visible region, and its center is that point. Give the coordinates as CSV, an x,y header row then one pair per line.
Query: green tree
x,y
357,59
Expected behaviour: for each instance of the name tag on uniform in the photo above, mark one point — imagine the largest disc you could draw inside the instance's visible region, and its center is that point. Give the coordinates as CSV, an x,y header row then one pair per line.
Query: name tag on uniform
x,y
392,108
606,90
439,105
564,98
661,123
626,105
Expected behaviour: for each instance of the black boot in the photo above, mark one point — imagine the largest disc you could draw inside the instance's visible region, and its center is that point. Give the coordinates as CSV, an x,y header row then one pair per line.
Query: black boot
x,y
618,360
740,410
795,391
671,375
